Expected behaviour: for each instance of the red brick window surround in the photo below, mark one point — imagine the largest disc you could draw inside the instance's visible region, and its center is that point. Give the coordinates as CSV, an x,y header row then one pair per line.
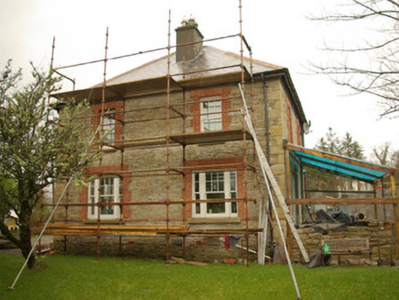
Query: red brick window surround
x,y
113,116
208,114
217,180
106,188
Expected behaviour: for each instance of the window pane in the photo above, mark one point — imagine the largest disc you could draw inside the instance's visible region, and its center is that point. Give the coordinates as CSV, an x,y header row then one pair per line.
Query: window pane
x,y
215,186
212,125
216,208
233,191
107,195
234,207
232,181
107,183
221,185
92,198
196,183
214,195
107,210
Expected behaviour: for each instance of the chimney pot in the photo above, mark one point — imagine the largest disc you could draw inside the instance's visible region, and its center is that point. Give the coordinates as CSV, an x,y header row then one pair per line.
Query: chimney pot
x,y
192,22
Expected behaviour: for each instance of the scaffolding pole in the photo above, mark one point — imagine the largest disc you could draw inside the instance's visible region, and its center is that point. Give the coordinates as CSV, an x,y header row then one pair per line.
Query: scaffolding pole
x,y
168,144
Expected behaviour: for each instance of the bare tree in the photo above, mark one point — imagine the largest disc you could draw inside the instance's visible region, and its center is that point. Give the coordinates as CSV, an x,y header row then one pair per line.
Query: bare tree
x,y
378,73
383,154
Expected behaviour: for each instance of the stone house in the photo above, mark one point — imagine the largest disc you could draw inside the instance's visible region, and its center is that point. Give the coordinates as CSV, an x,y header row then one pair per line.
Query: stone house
x,y
178,174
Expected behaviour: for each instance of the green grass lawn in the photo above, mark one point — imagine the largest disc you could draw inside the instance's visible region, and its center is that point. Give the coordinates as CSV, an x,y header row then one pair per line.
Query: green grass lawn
x,y
74,277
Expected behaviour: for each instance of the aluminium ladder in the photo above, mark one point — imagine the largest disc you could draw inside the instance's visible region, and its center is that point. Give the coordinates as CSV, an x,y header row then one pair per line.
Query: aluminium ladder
x,y
268,175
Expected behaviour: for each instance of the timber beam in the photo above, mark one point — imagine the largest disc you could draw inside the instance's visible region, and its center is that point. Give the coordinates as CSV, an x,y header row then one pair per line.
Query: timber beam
x,y
343,201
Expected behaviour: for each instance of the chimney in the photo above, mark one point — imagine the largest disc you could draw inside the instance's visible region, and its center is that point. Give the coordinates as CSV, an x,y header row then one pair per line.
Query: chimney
x,y
188,33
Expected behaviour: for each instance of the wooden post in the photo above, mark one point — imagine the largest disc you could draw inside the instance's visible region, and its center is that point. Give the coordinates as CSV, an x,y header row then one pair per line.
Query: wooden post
x,y
375,204
288,193
289,241
395,213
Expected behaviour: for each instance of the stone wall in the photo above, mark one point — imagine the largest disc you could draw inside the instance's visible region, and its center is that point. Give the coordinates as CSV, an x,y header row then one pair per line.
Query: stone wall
x,y
153,188
204,249
380,240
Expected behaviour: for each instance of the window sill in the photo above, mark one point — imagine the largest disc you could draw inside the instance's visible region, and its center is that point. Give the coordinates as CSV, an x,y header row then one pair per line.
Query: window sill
x,y
213,220
110,221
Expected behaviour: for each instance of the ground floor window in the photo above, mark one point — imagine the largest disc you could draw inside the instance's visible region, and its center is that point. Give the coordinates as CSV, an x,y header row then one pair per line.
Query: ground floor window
x,y
104,190
215,185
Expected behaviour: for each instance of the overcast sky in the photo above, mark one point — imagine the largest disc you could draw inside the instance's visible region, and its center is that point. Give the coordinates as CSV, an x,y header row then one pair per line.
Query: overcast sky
x,y
278,32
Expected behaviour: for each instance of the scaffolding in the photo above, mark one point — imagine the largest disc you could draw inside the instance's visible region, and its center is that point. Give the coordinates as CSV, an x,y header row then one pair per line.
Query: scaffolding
x,y
173,111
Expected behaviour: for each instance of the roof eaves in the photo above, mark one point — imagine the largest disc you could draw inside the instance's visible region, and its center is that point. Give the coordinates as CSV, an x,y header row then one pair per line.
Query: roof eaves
x,y
289,85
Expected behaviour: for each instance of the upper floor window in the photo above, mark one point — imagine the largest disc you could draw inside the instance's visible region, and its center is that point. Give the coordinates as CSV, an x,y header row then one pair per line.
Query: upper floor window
x,y
110,116
211,110
108,130
105,191
211,116
215,185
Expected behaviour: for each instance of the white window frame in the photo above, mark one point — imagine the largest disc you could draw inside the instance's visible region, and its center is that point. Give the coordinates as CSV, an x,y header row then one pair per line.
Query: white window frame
x,y
94,196
230,193
210,114
109,124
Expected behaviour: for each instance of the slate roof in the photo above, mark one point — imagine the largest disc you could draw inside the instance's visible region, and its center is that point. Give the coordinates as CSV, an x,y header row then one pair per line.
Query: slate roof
x,y
210,64
209,58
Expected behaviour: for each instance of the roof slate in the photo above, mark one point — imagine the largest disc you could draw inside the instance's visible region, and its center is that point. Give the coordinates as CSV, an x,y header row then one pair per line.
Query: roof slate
x,y
209,58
